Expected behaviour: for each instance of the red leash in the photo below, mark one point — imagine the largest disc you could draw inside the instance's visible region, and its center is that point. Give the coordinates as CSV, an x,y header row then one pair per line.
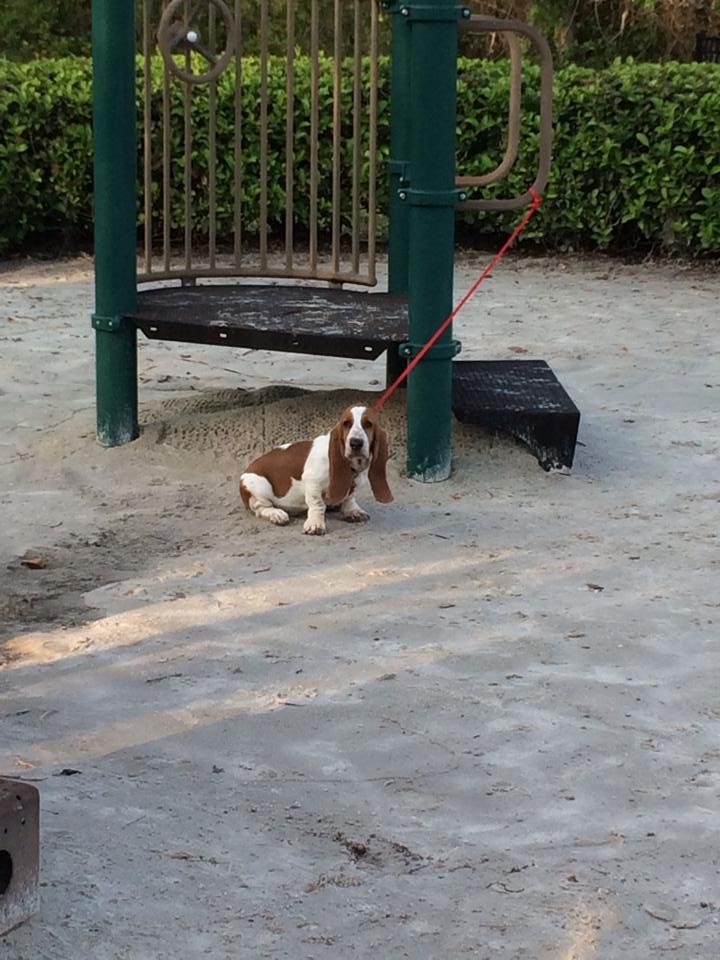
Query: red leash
x,y
529,214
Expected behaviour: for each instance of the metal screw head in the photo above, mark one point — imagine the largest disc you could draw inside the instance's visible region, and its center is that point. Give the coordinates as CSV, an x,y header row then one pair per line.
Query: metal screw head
x,y
466,13
402,194
405,12
462,196
191,36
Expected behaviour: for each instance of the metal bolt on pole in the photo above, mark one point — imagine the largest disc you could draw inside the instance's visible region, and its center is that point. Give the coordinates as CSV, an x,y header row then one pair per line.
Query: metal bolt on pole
x,y
114,126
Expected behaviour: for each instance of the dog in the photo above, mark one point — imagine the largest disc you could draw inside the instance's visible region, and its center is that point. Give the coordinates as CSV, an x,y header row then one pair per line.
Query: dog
x,y
320,474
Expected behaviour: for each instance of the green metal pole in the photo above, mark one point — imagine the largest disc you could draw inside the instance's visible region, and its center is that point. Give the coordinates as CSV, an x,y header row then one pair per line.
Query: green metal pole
x,y
114,132
431,198
398,230
398,227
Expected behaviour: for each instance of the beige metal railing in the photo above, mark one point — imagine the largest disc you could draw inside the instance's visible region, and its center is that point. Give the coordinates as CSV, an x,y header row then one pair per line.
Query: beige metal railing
x,y
196,89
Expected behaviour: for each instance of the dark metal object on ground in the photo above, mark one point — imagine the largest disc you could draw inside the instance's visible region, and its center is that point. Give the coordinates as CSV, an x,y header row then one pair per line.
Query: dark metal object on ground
x,y
19,853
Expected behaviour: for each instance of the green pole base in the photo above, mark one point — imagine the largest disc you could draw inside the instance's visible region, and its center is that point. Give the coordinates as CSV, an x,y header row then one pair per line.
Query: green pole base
x,y
116,386
429,446
115,161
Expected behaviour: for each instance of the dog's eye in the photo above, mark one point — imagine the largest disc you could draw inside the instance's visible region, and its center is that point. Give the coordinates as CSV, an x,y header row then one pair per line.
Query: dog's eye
x,y
347,424
366,424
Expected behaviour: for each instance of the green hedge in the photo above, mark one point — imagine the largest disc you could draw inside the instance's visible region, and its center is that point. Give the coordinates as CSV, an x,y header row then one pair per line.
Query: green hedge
x,y
636,158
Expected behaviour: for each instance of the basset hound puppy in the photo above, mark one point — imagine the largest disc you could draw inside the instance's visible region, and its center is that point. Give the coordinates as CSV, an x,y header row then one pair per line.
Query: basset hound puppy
x,y
323,473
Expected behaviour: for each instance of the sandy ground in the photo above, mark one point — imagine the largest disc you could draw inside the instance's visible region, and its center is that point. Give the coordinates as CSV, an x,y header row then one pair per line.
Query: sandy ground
x,y
487,724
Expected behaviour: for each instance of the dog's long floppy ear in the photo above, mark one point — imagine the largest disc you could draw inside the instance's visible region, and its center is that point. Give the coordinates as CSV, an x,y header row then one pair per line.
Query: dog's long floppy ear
x,y
340,479
377,473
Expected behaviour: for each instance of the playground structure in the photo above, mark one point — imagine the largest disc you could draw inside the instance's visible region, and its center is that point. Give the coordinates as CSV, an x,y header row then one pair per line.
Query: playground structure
x,y
299,303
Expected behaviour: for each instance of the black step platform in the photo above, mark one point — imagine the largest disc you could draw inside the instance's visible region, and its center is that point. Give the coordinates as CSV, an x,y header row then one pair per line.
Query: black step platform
x,y
523,398
292,319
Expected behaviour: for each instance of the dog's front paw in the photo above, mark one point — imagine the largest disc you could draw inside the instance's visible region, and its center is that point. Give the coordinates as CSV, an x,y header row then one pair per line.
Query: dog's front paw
x,y
356,516
315,528
277,516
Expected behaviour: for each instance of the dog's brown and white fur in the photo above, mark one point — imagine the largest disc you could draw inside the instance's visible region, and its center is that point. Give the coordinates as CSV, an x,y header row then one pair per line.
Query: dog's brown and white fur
x,y
325,472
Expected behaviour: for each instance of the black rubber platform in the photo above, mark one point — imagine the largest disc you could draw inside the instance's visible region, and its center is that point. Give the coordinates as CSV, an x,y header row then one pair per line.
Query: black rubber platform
x,y
333,323
523,398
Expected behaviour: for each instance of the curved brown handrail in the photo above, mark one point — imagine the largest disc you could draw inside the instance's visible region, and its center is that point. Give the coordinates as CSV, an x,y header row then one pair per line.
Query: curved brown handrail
x,y
491,24
513,144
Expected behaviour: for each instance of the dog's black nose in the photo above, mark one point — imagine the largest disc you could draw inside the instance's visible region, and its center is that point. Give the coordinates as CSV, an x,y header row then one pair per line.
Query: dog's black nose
x,y
356,443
